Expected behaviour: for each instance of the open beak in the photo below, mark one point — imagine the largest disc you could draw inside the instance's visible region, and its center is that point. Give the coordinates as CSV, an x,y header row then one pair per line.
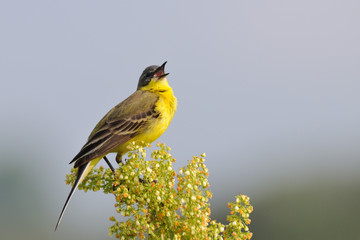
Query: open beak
x,y
160,72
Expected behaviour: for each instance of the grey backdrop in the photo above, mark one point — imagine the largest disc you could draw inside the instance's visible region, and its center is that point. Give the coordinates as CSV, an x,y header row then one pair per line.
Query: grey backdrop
x,y
268,89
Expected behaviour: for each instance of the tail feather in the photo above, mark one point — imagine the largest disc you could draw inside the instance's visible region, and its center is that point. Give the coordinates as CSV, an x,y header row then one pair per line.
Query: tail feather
x,y
83,171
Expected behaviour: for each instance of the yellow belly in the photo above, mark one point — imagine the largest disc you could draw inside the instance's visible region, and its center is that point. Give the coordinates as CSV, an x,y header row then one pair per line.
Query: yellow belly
x,y
166,105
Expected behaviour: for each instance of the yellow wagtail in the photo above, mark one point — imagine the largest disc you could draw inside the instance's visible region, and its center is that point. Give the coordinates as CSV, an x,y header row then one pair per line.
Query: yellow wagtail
x,y
142,117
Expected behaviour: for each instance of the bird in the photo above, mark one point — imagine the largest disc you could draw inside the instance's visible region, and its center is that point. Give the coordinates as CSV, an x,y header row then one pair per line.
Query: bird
x,y
141,118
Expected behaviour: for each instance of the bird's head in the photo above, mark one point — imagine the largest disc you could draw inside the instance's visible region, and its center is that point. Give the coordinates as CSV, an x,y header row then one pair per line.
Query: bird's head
x,y
153,77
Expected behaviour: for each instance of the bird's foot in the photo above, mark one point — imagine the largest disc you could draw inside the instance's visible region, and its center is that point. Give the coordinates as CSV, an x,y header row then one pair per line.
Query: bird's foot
x,y
145,181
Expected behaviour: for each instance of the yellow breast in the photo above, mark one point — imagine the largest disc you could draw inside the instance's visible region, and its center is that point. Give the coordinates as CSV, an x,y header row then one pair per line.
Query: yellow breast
x,y
166,106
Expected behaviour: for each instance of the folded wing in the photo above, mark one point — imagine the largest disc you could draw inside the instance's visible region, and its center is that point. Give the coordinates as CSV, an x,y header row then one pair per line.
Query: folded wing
x,y
120,125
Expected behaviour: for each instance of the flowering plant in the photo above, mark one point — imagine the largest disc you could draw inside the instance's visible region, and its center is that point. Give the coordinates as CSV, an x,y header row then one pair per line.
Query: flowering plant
x,y
159,203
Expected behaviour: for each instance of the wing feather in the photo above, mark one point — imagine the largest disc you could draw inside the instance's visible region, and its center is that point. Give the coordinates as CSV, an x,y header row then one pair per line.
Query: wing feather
x,y
118,126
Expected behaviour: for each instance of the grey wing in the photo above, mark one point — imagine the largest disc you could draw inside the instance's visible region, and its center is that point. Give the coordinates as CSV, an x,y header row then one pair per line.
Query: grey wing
x,y
112,134
118,126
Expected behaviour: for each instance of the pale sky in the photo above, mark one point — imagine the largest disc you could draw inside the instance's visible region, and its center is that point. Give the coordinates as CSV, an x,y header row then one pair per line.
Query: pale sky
x,y
269,90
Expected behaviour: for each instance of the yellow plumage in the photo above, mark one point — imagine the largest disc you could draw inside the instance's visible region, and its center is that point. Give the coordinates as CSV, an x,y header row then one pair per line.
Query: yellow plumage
x,y
142,117
166,105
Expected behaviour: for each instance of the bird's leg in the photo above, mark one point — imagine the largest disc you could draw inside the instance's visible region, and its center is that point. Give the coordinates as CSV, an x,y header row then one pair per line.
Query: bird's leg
x,y
112,169
108,163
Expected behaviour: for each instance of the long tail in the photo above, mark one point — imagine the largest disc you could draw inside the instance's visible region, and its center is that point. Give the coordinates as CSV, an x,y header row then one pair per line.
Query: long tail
x,y
83,171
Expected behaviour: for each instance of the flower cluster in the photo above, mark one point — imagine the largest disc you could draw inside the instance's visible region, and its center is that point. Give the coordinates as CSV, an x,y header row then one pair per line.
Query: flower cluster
x,y
159,203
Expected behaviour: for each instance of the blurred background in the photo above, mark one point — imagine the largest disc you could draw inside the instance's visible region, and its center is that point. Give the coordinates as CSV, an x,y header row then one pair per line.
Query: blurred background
x,y
269,90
